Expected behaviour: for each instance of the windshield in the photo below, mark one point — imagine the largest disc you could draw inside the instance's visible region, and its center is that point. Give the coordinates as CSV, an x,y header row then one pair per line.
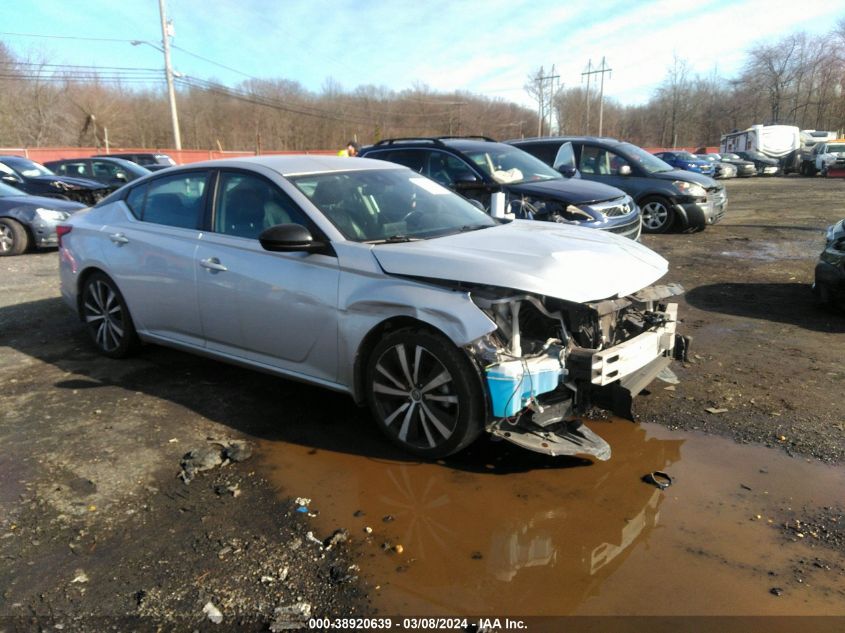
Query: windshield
x,y
6,190
731,156
650,163
509,165
389,205
26,167
836,147
686,156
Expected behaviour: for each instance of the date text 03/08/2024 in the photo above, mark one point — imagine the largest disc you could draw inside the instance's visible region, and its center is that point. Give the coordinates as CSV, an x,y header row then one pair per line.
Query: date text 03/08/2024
x,y
474,625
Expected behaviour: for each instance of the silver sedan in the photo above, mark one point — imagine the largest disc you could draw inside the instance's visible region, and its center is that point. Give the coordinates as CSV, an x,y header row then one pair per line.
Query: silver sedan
x,y
366,278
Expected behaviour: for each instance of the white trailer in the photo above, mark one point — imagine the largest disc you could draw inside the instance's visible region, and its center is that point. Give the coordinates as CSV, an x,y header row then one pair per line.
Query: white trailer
x,y
781,142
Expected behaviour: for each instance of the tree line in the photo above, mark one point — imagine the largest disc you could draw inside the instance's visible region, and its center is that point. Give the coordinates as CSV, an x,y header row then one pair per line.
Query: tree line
x,y
797,80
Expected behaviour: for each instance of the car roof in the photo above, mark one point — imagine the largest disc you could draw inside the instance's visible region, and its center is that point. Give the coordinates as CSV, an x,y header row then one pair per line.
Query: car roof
x,y
296,164
593,139
459,143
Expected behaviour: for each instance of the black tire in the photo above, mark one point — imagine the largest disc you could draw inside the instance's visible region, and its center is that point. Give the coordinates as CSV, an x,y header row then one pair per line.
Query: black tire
x,y
106,317
424,393
14,239
658,215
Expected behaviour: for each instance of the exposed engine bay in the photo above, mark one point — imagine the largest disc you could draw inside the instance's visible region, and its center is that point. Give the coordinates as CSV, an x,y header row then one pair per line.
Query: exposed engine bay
x,y
550,360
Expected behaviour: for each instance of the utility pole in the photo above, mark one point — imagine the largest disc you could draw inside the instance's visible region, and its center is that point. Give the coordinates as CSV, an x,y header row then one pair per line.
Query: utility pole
x,y
542,81
589,73
601,70
168,73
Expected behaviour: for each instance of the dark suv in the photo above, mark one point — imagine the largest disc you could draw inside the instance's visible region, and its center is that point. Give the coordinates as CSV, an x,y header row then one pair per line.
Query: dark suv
x,y
477,167
152,161
667,196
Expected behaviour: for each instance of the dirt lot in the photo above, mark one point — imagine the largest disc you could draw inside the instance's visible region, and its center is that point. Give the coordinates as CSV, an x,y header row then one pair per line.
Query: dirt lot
x,y
96,526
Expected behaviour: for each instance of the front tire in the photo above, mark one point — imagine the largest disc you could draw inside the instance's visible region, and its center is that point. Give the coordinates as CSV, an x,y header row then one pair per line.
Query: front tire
x,y
14,239
657,215
106,317
424,393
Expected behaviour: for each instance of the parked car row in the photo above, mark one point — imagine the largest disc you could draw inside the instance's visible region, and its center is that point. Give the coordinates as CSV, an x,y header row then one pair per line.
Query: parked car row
x,y
34,198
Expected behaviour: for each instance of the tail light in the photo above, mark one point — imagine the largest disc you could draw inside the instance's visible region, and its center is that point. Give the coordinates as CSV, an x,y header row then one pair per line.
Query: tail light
x,y
61,230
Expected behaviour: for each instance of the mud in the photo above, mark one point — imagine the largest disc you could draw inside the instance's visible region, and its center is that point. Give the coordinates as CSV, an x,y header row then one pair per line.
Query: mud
x,y
497,530
92,447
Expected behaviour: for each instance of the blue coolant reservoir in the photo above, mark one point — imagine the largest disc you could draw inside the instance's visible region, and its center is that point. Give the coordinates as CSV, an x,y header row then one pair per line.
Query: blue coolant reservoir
x,y
514,383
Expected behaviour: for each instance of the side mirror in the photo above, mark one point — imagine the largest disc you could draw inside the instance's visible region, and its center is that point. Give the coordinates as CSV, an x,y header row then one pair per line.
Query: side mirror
x,y
625,170
465,180
289,238
121,177
11,178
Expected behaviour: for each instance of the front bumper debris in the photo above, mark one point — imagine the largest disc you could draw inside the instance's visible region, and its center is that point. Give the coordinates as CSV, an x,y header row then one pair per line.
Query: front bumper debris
x,y
564,438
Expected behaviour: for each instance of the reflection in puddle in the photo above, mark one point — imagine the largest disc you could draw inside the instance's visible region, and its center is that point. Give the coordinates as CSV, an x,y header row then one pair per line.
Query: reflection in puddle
x,y
500,530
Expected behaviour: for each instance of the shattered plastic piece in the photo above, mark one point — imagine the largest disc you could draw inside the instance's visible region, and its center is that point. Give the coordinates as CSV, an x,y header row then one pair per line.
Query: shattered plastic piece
x,y
309,536
80,577
715,410
302,501
667,375
302,509
213,613
291,618
658,478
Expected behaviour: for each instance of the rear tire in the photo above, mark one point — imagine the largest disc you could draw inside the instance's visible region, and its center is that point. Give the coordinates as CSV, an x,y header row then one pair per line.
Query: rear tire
x,y
657,214
107,317
14,239
424,393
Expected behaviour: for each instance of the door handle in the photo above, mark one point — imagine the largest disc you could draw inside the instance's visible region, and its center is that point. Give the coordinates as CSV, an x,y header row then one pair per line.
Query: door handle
x,y
119,238
213,264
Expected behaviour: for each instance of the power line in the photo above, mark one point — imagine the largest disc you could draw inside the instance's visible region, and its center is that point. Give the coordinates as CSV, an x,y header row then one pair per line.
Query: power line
x,y
65,37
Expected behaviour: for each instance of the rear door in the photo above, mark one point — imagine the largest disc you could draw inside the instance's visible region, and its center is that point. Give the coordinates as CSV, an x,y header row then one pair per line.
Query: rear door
x,y
276,309
150,253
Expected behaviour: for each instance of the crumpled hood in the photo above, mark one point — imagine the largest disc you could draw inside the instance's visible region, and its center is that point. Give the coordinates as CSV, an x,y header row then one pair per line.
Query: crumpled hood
x,y
569,190
84,183
556,260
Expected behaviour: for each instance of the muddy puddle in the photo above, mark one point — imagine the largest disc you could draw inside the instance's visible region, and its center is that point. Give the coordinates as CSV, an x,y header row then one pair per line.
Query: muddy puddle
x,y
502,531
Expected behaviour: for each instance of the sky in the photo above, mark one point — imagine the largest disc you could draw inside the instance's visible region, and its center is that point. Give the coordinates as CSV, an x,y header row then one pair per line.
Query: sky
x,y
487,47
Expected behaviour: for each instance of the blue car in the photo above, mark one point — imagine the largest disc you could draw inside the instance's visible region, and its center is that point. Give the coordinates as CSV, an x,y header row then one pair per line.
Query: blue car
x,y
687,161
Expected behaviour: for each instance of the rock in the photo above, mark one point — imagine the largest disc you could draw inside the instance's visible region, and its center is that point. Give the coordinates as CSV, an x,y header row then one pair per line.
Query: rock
x,y
198,460
776,591
388,518
212,612
337,537
237,450
291,618
715,410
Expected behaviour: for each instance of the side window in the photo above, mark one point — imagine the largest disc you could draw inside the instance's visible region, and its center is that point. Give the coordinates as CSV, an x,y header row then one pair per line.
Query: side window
x,y
60,170
615,163
546,152
445,168
564,157
135,200
76,170
412,159
591,160
247,204
176,200
105,171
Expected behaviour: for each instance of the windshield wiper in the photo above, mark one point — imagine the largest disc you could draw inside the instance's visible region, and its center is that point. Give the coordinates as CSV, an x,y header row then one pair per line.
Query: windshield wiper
x,y
474,227
394,239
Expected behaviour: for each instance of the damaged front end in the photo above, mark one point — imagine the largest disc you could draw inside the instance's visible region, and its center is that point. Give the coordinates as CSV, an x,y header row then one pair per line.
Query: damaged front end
x,y
550,360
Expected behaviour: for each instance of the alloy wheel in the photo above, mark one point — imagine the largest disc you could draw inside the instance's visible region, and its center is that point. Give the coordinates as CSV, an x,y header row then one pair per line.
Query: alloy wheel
x,y
7,240
415,396
104,316
655,216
